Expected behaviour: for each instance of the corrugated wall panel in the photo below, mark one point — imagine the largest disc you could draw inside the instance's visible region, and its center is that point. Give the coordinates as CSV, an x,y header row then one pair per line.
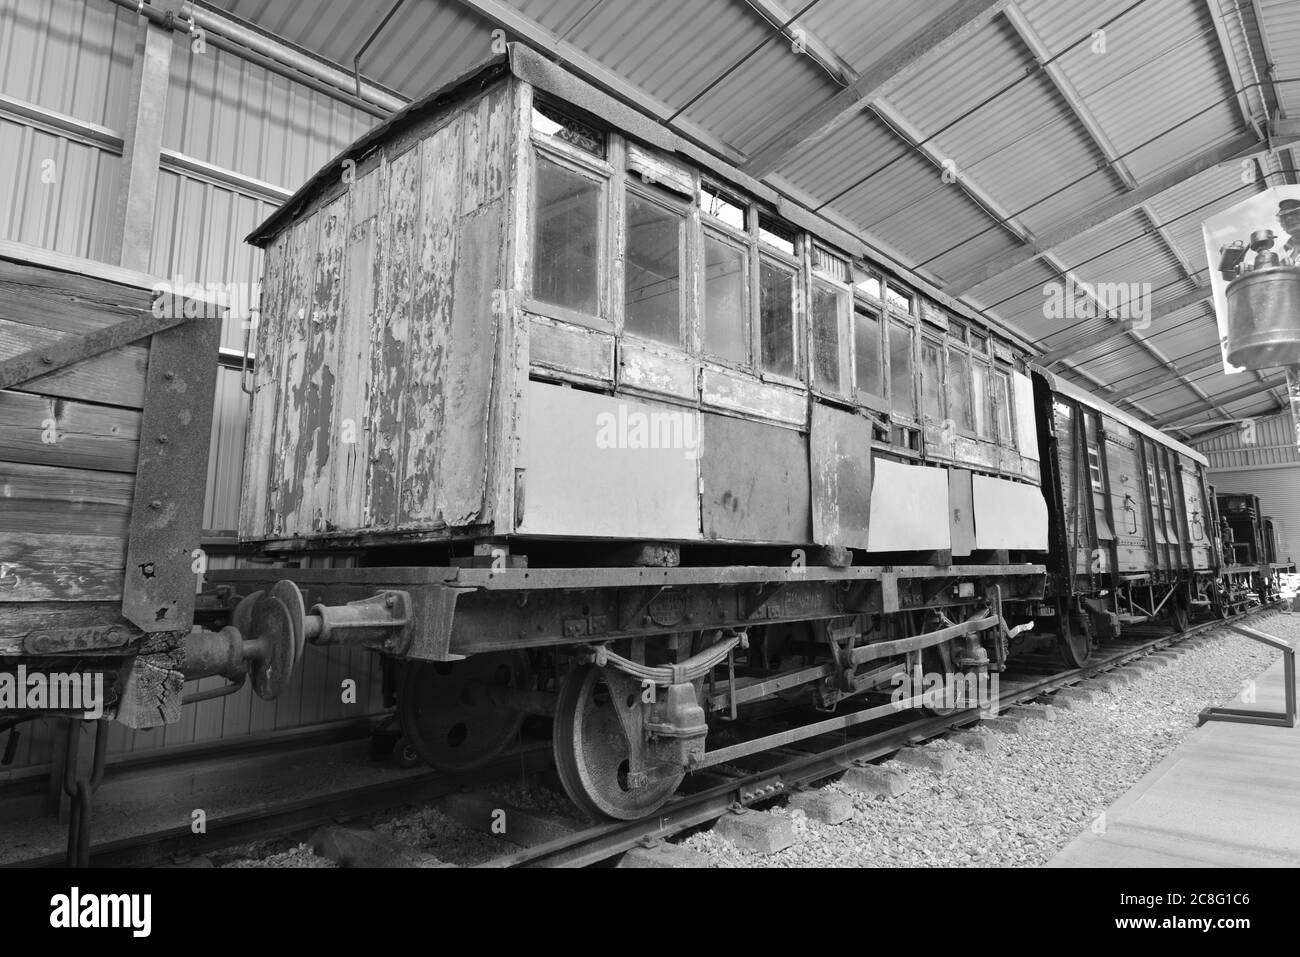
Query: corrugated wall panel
x,y
241,117
69,56
54,192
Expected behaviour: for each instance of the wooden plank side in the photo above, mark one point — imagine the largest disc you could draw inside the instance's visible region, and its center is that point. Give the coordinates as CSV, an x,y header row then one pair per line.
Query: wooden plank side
x,y
64,301
257,446
318,438
113,378
44,499
348,482
568,348
431,315
400,217
59,432
291,344
496,145
16,620
467,386
60,567
471,138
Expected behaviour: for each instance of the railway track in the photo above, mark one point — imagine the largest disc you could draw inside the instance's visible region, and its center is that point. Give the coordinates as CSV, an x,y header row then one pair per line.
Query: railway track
x,y
779,772
603,841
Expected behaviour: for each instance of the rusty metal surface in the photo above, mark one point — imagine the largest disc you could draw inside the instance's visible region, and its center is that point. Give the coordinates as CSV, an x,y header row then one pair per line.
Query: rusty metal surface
x,y
159,585
841,477
755,482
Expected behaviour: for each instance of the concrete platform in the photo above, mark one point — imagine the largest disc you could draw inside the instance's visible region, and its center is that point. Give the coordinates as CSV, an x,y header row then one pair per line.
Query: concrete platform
x,y
1228,796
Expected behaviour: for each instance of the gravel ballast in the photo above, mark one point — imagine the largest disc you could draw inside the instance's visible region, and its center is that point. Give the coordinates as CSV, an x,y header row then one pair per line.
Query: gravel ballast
x,y
1020,802
1015,800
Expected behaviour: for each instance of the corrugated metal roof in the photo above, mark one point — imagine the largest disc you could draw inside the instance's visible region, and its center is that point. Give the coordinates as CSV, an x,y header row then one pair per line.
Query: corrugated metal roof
x,y
1161,91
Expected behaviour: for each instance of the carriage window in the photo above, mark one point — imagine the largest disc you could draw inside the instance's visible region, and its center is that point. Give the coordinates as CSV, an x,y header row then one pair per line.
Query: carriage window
x,y
868,284
726,288
959,401
898,299
566,239
931,379
979,380
866,353
979,344
830,346
777,235
776,290
720,208
1002,408
902,384
566,128
652,283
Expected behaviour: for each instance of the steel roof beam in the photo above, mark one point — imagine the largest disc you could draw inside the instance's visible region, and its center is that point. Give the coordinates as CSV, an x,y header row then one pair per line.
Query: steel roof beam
x,y
933,42
1182,301
1242,146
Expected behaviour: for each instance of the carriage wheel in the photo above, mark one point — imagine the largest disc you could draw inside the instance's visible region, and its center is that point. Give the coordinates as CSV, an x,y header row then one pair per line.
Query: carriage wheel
x,y
1178,614
591,751
445,722
1074,637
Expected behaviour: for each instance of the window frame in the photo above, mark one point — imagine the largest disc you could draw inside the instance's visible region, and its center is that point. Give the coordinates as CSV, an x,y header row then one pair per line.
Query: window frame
x,y
711,228
574,160
679,206
842,290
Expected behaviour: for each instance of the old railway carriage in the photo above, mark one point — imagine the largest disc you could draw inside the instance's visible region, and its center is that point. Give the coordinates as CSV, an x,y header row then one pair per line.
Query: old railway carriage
x,y
1133,535
617,435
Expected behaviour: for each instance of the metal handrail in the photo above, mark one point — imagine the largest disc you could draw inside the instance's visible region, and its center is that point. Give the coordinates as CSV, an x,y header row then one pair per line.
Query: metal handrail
x,y
1252,716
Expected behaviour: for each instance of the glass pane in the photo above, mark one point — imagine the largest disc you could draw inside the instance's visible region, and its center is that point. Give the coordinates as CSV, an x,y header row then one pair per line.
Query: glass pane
x,y
717,205
725,281
566,239
1002,406
868,284
777,235
931,380
902,395
830,358
776,318
898,299
652,271
980,388
959,401
866,353
554,123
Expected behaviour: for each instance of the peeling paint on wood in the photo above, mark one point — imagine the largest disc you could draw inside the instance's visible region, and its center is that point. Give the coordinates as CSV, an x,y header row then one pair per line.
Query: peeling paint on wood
x,y
744,393
568,348
440,163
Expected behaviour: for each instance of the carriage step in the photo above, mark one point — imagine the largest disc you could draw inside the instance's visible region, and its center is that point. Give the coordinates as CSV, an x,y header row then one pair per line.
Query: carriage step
x,y
1133,619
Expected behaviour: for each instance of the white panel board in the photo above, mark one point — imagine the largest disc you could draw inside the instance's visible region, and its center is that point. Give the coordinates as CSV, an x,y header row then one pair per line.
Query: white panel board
x,y
909,508
1022,390
607,467
1009,514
